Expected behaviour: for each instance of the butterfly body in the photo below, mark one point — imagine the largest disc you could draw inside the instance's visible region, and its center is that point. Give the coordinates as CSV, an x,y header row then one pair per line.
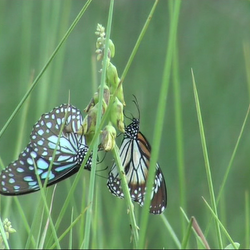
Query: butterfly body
x,y
135,152
65,151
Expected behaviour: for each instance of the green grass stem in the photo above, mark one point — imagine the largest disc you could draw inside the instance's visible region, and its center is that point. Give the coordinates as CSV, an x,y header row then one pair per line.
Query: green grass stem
x,y
246,49
126,195
70,227
43,192
187,235
71,230
247,220
171,231
42,238
198,238
179,134
222,187
138,42
221,225
98,121
206,160
159,121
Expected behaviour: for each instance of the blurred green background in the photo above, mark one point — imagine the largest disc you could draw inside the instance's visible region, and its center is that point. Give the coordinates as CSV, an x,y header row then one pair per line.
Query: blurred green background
x,y
213,40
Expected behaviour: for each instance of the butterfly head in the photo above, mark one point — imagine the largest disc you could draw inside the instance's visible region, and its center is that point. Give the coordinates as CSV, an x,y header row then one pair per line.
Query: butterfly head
x,y
131,131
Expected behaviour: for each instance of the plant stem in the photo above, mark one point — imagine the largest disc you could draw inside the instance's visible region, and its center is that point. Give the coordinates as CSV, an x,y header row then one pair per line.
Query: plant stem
x,y
98,121
126,195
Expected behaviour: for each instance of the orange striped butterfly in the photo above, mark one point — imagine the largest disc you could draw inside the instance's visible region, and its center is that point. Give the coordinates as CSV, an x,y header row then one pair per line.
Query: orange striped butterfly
x,y
135,152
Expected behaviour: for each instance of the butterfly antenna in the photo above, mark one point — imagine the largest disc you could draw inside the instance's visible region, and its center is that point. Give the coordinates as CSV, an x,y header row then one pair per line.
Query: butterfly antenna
x,y
135,101
131,116
101,170
99,162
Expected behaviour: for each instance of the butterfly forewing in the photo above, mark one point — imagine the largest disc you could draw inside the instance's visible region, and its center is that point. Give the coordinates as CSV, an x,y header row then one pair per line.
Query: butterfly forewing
x,y
69,151
45,133
135,154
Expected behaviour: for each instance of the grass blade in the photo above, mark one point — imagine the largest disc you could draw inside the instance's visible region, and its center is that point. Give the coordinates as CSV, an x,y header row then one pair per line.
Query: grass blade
x,y
247,226
234,244
98,122
171,231
159,121
206,160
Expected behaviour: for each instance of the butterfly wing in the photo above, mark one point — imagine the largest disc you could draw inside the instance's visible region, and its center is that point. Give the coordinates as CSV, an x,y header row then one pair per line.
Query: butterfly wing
x,y
44,136
70,150
135,156
159,191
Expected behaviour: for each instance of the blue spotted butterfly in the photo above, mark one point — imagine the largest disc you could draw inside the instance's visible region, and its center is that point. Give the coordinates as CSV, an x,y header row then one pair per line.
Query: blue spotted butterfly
x,y
135,152
19,177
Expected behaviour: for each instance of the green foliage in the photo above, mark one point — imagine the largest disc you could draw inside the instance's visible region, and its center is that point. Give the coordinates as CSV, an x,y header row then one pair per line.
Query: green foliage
x,y
46,50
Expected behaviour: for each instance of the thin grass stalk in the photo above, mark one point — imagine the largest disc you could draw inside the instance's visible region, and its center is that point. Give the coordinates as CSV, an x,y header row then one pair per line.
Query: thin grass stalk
x,y
138,42
206,160
22,125
59,62
75,199
100,228
69,228
44,50
25,222
96,229
220,224
171,231
246,49
179,135
222,211
127,196
195,233
159,121
222,187
94,243
186,237
48,81
25,50
247,220
39,229
38,216
232,158
25,55
98,121
83,205
74,23
19,141
43,186
42,240
70,194
47,210
25,43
